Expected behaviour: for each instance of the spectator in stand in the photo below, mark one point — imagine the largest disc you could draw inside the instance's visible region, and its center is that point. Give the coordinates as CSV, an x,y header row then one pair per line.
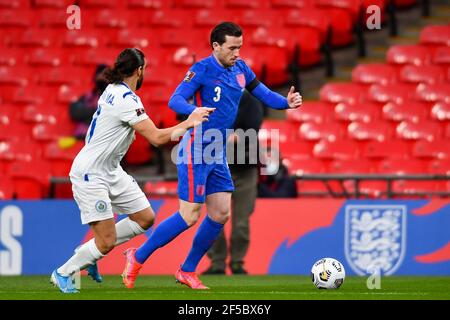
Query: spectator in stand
x,y
276,183
82,110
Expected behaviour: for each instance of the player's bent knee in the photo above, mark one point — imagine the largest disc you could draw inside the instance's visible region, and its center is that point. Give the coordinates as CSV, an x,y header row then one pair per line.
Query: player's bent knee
x,y
220,216
190,216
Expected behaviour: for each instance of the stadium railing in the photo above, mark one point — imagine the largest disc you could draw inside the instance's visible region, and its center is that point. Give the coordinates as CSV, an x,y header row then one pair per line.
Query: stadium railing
x,y
358,192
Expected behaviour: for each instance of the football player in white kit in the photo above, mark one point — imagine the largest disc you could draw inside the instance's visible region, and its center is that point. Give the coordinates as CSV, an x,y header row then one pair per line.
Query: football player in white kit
x,y
100,186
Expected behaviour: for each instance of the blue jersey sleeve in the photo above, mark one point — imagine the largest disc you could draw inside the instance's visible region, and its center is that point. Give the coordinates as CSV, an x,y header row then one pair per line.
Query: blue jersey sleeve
x,y
186,90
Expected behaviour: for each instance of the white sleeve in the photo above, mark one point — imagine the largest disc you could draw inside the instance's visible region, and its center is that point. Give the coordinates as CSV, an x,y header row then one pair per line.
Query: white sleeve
x,y
131,110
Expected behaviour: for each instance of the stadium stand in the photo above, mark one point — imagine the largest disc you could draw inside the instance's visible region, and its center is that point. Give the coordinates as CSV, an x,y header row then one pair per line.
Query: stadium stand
x,y
399,109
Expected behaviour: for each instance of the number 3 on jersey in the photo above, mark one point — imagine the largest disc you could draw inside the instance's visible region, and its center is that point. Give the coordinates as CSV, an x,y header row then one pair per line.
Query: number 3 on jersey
x,y
94,123
217,90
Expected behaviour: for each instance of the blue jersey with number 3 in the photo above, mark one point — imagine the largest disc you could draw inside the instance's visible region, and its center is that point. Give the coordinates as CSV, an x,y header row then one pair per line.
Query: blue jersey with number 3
x,y
212,85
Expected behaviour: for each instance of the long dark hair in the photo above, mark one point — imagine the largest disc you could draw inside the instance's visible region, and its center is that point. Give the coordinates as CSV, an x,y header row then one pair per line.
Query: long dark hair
x,y
126,63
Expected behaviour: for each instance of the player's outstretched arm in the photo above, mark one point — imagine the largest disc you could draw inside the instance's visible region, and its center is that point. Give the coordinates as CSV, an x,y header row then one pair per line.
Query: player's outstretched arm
x,y
158,137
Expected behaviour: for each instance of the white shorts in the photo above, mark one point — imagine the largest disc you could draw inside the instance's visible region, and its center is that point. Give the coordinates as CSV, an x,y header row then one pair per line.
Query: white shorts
x,y
99,198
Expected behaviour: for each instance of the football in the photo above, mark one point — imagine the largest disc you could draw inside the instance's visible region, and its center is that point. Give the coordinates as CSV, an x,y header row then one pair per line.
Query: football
x,y
328,273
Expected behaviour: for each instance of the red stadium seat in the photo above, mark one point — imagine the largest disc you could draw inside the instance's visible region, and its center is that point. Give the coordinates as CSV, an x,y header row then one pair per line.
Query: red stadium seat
x,y
379,73
309,17
239,4
10,19
442,56
15,77
19,150
53,18
282,4
250,20
351,166
206,19
312,131
397,93
61,158
148,4
408,54
427,130
67,94
140,152
300,167
38,38
132,38
354,7
98,3
336,150
386,149
116,19
434,92
342,92
185,57
51,57
14,4
6,188
362,111
161,188
86,38
422,74
61,161
12,130
438,149
61,4
287,132
441,111
42,113
410,110
374,130
9,114
402,167
441,166
343,15
49,132
296,150
58,76
10,57
187,4
33,95
95,56
311,111
435,35
167,18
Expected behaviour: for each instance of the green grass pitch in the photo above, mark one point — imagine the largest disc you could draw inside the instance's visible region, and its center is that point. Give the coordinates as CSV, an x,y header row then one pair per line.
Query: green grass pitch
x,y
228,288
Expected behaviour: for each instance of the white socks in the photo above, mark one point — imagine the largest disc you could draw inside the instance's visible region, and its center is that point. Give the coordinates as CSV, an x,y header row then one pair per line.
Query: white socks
x,y
84,256
127,229
88,253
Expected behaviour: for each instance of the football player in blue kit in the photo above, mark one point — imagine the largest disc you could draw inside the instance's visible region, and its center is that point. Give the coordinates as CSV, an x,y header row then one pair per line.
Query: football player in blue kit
x,y
217,81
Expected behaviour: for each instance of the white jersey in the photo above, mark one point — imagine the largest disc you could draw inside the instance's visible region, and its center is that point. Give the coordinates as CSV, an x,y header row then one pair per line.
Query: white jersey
x,y
110,134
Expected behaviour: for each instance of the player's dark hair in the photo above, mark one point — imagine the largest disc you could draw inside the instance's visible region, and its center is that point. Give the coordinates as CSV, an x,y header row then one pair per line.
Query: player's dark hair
x,y
224,29
126,63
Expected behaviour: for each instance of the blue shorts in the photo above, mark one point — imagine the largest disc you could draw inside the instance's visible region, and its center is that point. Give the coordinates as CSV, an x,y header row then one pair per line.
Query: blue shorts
x,y
201,173
197,181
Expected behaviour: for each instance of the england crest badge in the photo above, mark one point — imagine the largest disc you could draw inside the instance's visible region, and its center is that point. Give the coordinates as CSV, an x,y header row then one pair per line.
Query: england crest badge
x,y
375,238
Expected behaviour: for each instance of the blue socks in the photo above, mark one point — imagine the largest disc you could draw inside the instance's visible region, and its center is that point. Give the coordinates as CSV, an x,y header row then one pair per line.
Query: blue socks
x,y
166,231
206,234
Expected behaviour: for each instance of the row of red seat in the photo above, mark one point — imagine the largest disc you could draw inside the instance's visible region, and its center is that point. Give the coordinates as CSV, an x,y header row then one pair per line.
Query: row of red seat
x,y
393,118
158,4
